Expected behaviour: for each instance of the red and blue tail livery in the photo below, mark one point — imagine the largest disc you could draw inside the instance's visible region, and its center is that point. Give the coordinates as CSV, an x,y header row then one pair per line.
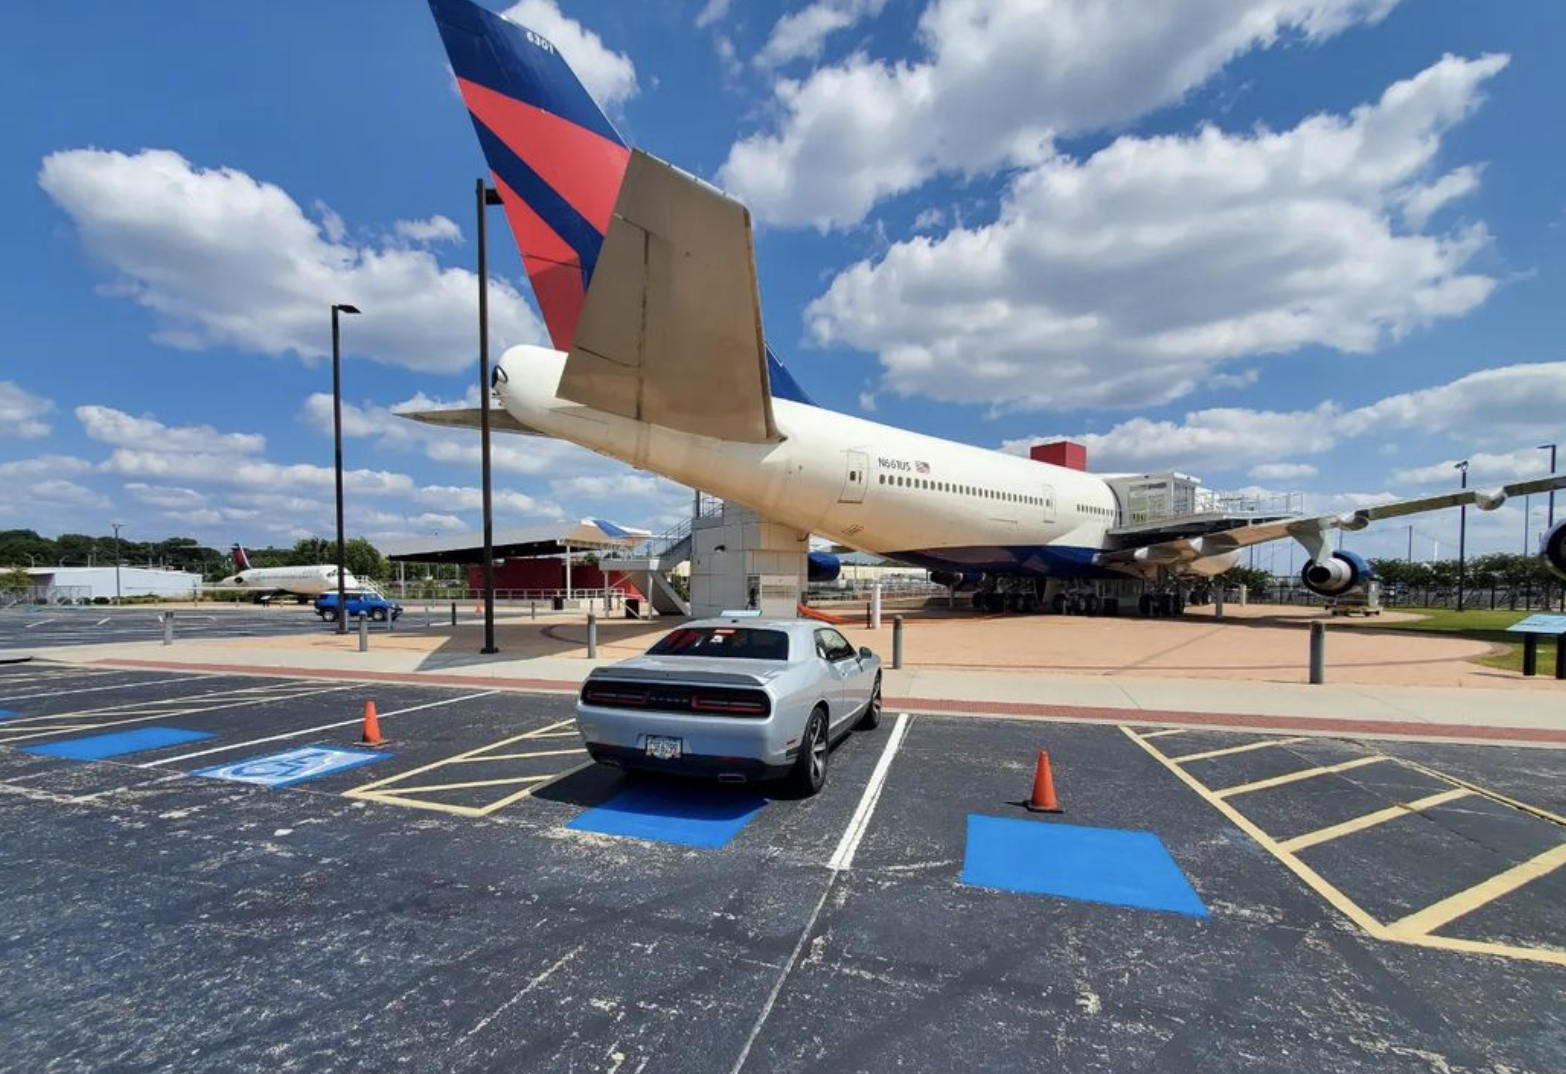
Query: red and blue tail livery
x,y
553,155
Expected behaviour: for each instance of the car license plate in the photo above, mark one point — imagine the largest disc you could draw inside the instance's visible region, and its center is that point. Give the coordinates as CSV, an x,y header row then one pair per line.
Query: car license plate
x,y
663,748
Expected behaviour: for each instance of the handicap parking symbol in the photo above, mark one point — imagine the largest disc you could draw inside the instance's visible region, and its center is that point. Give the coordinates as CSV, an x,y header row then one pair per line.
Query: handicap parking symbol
x,y
294,766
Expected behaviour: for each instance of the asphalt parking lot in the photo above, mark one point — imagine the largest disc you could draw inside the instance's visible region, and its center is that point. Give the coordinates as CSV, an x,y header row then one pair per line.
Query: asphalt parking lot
x,y
211,873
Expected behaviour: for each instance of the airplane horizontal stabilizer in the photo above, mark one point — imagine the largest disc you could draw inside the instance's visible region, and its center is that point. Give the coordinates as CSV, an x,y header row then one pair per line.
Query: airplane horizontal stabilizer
x,y
500,419
670,331
1187,549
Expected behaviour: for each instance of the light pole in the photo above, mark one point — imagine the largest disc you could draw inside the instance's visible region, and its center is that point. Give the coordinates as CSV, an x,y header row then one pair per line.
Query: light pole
x,y
337,440
1462,537
486,196
1549,518
117,525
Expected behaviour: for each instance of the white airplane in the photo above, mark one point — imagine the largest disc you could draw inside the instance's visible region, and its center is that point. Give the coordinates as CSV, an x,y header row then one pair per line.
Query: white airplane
x,y
646,279
304,581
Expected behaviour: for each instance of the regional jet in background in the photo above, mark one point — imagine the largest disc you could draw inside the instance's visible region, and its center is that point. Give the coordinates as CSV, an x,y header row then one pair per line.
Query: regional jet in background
x,y
646,280
266,582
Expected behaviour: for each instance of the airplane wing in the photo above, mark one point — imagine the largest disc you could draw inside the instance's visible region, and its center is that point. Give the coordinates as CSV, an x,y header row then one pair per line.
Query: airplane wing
x,y
670,331
1311,531
500,419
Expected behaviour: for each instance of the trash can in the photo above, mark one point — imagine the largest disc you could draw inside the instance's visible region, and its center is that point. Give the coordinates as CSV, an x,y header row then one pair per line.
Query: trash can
x,y
558,603
633,608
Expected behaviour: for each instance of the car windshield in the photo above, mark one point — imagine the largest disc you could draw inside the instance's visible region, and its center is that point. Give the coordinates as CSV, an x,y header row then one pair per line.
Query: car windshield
x,y
740,643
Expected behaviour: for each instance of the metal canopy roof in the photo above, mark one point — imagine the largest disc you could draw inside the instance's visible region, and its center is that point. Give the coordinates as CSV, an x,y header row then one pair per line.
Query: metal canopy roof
x,y
549,539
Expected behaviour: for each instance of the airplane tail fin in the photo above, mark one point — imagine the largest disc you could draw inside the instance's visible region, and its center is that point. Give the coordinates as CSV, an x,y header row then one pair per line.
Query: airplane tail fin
x,y
241,561
553,155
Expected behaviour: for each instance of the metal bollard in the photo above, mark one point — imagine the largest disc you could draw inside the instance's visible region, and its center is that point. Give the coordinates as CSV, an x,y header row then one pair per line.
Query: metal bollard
x,y
592,635
168,628
1318,653
1560,655
532,609
897,642
875,607
364,633
453,613
1531,654
1218,602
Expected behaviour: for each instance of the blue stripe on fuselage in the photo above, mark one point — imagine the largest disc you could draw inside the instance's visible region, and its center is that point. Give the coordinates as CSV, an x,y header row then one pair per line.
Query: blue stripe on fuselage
x,y
1046,560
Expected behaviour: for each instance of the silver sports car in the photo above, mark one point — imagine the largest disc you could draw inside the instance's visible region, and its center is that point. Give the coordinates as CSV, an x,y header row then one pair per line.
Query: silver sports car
x,y
736,698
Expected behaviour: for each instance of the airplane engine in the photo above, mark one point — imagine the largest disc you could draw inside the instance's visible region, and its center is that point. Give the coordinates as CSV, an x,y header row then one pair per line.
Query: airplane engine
x,y
1555,550
823,567
1214,565
959,581
1336,576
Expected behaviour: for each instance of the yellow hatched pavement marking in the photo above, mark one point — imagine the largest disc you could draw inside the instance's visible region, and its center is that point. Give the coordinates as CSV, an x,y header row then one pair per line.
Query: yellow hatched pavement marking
x,y
1423,922
1295,777
1352,910
395,790
516,756
1370,820
1248,747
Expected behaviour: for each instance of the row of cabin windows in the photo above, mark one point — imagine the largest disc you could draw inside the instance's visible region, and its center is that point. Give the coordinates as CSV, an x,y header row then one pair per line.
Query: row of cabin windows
x,y
962,490
1090,510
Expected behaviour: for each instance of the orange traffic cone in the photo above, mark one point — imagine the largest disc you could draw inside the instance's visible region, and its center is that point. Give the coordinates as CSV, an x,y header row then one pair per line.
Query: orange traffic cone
x,y
372,727
1043,799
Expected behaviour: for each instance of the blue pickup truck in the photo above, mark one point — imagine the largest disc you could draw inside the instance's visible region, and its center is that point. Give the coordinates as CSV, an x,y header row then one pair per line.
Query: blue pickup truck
x,y
374,605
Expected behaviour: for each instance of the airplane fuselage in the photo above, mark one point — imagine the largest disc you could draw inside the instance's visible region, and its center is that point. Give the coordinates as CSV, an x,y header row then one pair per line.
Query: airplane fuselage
x,y
934,502
310,581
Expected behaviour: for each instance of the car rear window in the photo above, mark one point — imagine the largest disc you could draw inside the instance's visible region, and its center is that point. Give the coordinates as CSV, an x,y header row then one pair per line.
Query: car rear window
x,y
741,643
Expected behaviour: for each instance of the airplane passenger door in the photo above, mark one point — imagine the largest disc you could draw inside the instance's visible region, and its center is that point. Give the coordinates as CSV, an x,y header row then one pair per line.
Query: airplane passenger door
x,y
856,476
1047,494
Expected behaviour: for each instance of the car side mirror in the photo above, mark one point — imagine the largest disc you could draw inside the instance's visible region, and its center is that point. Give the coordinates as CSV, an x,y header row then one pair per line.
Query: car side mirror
x,y
866,653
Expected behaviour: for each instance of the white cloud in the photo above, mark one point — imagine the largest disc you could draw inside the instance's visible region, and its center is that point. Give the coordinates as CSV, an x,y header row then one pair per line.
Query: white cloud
x,y
20,412
712,11
1420,203
52,465
1282,471
59,491
1492,407
167,496
1124,279
435,229
222,259
608,75
506,501
1002,78
801,34
119,428
1484,469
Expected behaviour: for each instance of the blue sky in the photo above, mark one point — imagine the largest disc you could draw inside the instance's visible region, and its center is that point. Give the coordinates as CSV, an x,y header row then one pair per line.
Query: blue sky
x,y
1285,245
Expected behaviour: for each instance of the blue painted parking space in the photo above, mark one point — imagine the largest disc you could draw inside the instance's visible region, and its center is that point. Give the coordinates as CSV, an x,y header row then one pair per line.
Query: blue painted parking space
x,y
5,713
117,743
292,766
690,815
1103,865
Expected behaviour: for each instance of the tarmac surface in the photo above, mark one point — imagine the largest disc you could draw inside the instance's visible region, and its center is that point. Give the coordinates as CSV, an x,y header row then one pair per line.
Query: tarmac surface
x,y
206,870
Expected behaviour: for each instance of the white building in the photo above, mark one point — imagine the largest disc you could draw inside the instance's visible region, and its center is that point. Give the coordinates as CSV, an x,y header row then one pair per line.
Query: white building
x,y
89,583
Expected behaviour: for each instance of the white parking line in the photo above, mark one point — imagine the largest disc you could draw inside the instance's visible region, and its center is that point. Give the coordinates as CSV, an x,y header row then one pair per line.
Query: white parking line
x,y
8,698
843,856
41,622
312,730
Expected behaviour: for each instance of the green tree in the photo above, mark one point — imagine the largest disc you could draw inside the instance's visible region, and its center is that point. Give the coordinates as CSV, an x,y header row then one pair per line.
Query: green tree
x,y
363,560
24,548
308,551
1254,580
15,580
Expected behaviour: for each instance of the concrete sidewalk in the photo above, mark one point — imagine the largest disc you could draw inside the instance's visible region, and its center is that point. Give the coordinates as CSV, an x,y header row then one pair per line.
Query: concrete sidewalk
x,y
1531,716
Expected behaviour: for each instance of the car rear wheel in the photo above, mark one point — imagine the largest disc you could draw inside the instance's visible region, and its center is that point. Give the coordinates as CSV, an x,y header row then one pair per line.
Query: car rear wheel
x,y
872,715
810,767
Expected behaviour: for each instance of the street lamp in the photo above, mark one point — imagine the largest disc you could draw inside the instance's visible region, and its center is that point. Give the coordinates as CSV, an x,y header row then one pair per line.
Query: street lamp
x,y
1549,522
486,196
1462,536
117,525
337,438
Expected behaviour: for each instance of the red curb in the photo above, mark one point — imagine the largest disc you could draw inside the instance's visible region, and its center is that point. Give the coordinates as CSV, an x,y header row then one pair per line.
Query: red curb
x,y
408,678
938,706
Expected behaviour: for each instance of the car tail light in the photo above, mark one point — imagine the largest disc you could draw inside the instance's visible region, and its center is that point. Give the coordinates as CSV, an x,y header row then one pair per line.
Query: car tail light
x,y
618,697
732,703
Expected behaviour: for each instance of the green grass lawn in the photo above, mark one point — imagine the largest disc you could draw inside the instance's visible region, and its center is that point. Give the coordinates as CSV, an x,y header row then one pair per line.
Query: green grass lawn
x,y
1481,625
